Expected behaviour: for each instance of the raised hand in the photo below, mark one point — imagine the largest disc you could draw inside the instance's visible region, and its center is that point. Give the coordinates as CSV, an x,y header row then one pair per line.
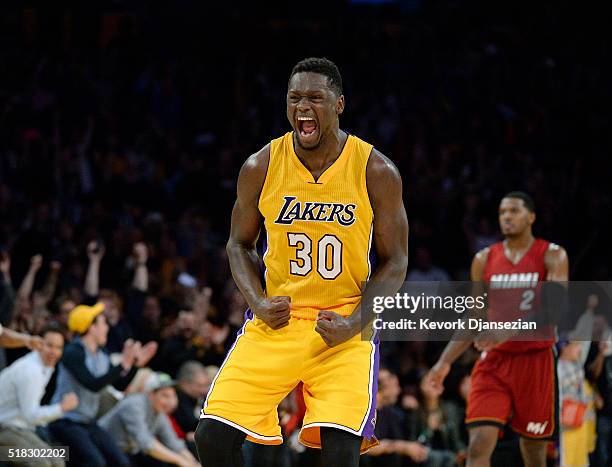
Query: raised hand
x,y
202,302
95,251
141,253
128,355
55,266
146,353
36,263
5,263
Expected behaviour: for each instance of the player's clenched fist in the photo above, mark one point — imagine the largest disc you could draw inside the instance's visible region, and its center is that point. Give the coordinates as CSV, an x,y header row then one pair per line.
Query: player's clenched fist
x,y
333,328
274,311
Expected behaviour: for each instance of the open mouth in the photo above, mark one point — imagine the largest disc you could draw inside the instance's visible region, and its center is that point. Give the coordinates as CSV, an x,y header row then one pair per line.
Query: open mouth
x,y
307,127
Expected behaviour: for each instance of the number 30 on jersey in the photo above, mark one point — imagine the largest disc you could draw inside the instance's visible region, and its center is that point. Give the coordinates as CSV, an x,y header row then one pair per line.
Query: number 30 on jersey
x,y
328,255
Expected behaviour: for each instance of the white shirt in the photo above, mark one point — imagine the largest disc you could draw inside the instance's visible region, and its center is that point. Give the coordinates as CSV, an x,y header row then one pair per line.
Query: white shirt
x,y
22,386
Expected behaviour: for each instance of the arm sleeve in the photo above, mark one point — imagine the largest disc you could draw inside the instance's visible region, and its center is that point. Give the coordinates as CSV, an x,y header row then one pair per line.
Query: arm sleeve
x,y
167,436
123,382
133,417
30,389
74,361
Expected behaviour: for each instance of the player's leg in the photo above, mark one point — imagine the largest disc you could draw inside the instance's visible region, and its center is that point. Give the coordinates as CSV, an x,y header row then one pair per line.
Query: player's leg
x,y
261,368
219,444
340,393
535,402
488,407
483,439
533,452
264,455
339,448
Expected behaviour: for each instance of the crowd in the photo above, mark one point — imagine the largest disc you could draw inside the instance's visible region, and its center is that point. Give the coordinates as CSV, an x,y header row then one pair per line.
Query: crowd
x,y
121,134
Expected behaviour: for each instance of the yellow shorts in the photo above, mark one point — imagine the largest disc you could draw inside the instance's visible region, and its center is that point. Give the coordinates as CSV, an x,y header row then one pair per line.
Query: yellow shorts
x,y
264,365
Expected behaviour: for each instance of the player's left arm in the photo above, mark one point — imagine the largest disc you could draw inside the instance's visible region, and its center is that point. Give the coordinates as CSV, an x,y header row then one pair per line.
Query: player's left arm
x,y
557,263
384,185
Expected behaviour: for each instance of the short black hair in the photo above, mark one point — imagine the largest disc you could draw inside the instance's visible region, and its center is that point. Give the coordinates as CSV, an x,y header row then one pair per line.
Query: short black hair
x,y
527,200
53,326
324,67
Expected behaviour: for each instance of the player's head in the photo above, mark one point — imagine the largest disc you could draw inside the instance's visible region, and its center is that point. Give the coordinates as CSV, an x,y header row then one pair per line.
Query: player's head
x,y
516,213
314,100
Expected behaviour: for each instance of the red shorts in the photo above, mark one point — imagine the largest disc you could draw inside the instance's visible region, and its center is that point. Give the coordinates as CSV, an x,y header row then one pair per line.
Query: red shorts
x,y
520,387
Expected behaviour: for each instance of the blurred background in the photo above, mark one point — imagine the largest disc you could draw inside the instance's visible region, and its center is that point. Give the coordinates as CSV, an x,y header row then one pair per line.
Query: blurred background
x,y
125,123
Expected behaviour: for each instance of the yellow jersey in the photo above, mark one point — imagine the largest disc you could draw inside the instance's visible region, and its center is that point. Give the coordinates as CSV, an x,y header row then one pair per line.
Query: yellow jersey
x,y
319,233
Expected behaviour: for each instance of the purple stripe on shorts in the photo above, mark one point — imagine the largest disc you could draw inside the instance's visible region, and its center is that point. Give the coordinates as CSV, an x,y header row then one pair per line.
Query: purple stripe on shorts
x,y
368,429
248,314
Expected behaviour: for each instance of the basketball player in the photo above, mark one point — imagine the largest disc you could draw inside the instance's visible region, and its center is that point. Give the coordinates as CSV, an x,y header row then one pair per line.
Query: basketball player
x,y
323,196
512,378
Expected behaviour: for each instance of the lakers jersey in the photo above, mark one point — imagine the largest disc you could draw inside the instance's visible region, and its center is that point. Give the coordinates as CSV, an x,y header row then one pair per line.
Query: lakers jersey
x,y
318,232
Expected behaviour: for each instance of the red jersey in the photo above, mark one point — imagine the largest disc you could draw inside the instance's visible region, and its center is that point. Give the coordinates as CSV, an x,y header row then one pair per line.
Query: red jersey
x,y
513,291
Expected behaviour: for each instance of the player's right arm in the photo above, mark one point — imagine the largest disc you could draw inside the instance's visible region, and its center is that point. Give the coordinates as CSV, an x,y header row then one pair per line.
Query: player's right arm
x,y
460,342
241,247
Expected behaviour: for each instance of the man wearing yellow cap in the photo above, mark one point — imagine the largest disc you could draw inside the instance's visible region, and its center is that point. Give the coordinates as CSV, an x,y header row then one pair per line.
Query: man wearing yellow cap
x,y
86,369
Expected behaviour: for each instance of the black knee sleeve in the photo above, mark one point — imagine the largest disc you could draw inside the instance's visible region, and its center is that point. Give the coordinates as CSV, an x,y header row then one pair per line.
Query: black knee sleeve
x,y
218,444
339,448
264,456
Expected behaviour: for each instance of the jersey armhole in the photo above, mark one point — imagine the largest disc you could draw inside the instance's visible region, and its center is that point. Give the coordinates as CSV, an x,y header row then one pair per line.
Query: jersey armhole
x,y
265,183
364,181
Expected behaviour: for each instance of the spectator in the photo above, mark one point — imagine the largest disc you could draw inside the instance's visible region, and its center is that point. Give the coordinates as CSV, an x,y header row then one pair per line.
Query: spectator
x,y
425,271
390,427
95,254
120,330
86,369
141,427
577,405
143,311
7,293
438,427
22,386
193,382
23,313
185,345
599,368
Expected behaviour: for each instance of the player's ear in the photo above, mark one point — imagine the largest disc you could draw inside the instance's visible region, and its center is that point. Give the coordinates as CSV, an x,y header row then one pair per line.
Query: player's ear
x,y
340,105
532,218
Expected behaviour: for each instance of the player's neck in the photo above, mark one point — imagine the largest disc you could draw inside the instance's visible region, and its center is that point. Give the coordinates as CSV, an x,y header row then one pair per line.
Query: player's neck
x,y
520,242
325,155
